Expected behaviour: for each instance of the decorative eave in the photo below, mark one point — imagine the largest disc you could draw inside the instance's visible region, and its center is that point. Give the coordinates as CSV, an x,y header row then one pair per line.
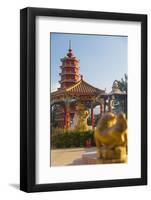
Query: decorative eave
x,y
81,88
57,92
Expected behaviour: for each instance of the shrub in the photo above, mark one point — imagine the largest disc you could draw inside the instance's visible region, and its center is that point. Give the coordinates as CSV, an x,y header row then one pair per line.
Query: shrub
x,y
72,138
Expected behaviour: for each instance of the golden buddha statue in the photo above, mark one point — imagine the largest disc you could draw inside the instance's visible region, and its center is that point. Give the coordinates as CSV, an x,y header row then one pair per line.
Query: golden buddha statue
x,y
82,113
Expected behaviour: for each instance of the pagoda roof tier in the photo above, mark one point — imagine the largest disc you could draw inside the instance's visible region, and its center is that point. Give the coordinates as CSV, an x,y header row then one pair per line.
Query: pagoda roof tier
x,y
80,88
67,81
68,66
69,58
68,73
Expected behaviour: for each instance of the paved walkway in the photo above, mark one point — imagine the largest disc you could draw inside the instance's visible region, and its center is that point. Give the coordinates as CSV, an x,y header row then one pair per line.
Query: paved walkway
x,y
71,156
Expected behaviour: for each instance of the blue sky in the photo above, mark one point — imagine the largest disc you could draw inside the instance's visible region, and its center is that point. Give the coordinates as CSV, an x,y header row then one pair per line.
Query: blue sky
x,y
103,58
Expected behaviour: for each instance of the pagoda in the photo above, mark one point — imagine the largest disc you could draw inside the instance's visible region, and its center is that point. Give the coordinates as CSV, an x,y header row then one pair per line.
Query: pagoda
x,y
72,91
69,69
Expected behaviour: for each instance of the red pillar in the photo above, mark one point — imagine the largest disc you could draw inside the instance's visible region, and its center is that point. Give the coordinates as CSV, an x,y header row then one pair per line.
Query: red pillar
x,y
65,117
68,120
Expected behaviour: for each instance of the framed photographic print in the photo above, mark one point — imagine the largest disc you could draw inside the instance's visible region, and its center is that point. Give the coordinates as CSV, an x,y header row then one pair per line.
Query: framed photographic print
x,y
83,99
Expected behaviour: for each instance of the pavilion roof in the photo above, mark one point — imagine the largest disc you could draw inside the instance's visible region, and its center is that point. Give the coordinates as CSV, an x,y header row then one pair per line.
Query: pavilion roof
x,y
80,88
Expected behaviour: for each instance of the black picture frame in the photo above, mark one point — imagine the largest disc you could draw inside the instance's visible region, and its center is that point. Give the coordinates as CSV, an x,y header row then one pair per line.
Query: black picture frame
x,y
28,99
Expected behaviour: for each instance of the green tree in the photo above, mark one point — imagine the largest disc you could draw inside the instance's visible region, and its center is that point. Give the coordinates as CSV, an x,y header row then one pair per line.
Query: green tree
x,y
122,84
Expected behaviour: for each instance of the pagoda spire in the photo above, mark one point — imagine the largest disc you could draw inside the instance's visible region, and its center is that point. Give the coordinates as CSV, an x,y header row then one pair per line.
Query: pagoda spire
x,y
70,52
69,44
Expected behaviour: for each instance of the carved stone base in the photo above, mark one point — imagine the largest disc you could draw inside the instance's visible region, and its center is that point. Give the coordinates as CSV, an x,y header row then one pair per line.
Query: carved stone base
x,y
92,158
116,153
